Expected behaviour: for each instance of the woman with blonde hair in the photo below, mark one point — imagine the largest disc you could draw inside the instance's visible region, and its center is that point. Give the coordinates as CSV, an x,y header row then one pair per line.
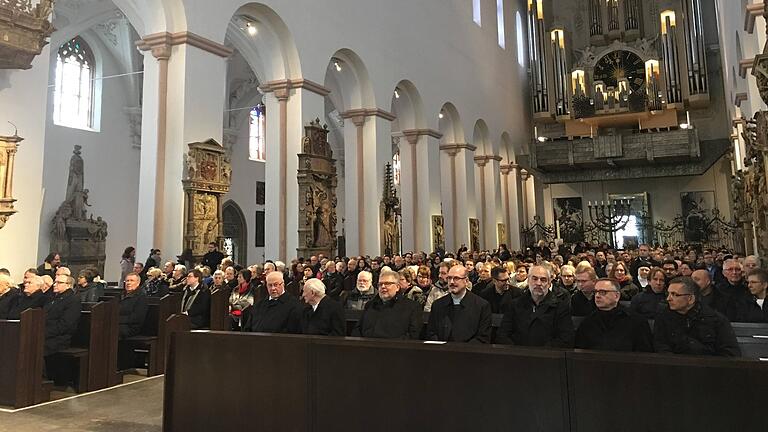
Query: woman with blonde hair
x,y
620,273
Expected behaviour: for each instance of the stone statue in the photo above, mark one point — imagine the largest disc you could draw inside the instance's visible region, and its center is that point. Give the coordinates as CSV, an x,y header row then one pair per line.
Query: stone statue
x,y
77,237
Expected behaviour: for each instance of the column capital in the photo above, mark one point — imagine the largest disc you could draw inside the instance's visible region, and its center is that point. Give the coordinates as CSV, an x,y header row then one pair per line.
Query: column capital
x,y
752,11
454,148
412,135
161,43
369,112
482,160
508,168
284,85
524,174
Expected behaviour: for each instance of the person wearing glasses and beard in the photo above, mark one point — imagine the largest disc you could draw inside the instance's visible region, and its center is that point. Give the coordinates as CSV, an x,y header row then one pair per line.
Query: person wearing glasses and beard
x,y
612,327
690,327
390,315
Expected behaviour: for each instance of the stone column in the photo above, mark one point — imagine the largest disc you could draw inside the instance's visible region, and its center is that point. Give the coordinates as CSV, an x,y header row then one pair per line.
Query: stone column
x,y
524,198
297,102
364,175
510,183
490,199
182,104
458,178
420,187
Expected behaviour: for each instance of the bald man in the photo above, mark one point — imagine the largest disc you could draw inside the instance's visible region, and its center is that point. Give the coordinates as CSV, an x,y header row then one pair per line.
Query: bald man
x,y
708,295
279,312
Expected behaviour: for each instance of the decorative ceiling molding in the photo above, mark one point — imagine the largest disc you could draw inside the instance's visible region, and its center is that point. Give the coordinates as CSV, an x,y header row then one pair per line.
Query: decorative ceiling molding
x,y
181,38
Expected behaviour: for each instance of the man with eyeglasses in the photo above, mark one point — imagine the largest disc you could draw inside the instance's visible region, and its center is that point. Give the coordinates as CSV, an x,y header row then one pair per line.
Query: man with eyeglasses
x,y
689,327
390,315
461,316
612,327
583,300
196,300
733,289
62,314
500,293
30,297
279,312
539,317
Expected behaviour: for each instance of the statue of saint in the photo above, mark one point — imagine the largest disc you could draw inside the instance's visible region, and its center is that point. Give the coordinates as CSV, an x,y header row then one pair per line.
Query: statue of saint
x,y
76,180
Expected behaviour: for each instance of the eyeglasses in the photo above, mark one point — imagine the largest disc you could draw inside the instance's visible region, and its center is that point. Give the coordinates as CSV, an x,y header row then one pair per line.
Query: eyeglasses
x,y
386,284
502,280
454,278
604,292
676,295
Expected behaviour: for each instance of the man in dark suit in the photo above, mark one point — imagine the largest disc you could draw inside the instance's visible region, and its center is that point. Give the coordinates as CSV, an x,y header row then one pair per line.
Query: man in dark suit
x,y
613,327
279,312
390,315
133,307
213,257
539,317
499,292
31,297
460,316
322,315
62,314
333,281
196,301
8,294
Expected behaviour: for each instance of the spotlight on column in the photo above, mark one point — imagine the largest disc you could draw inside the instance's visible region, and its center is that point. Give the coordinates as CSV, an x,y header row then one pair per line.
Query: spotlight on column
x,y
337,65
397,94
251,29
440,115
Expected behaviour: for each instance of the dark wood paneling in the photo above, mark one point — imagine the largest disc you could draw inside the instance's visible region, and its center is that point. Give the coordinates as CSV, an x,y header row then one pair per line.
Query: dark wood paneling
x,y
21,360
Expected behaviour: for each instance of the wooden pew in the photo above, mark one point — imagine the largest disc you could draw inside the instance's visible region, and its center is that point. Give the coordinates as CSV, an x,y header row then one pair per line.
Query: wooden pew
x,y
149,341
220,310
21,357
753,347
93,354
750,329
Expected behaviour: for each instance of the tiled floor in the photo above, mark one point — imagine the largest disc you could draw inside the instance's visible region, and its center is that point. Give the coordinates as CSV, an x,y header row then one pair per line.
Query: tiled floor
x,y
136,407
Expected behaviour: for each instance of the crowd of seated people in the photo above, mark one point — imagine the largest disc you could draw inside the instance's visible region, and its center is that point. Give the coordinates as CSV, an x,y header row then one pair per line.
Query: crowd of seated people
x,y
691,297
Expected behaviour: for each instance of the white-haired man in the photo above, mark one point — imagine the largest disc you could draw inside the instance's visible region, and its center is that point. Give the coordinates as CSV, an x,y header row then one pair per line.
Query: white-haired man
x,y
322,315
8,292
278,312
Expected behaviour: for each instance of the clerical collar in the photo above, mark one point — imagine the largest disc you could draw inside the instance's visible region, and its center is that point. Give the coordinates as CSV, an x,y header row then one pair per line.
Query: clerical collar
x,y
457,299
314,306
192,288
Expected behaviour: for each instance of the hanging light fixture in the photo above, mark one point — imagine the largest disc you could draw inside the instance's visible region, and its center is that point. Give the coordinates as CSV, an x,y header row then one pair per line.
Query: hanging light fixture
x,y
24,31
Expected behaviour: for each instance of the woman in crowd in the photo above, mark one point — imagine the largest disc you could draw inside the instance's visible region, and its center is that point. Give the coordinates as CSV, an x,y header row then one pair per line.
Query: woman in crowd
x,y
567,278
241,298
126,264
407,279
620,273
156,284
218,282
521,277
424,280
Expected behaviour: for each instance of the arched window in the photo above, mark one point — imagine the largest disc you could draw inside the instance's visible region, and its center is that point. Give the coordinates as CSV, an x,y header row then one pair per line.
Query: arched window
x,y
73,97
520,39
256,143
500,23
396,168
476,12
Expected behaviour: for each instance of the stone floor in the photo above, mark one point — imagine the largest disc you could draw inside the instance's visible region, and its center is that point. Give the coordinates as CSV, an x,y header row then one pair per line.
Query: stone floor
x,y
133,407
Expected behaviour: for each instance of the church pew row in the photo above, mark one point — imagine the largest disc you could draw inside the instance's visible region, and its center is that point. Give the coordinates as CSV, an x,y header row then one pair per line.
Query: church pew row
x,y
320,383
151,340
21,357
91,361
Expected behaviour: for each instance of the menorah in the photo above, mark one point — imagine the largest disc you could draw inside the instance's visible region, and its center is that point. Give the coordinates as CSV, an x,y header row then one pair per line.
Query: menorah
x,y
611,216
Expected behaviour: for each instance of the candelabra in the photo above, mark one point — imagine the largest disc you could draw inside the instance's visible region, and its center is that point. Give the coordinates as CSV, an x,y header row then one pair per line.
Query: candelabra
x,y
611,216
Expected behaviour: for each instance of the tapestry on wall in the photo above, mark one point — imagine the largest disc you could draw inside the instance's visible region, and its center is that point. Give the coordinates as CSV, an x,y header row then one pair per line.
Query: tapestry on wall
x,y
569,219
696,211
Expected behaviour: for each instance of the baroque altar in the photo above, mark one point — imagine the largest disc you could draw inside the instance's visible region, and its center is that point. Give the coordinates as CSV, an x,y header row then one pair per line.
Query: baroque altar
x,y
76,236
317,193
207,180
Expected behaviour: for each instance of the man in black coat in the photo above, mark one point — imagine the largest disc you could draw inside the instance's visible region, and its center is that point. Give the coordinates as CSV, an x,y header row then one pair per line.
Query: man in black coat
x,y
333,281
460,316
322,315
31,297
613,327
752,307
651,301
688,327
499,292
389,315
279,312
538,317
734,288
196,301
133,307
213,257
583,300
8,294
62,314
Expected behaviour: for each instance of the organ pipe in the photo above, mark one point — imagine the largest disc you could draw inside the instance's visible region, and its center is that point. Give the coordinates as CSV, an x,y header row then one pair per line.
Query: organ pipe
x,y
595,18
536,52
695,49
632,15
670,56
561,71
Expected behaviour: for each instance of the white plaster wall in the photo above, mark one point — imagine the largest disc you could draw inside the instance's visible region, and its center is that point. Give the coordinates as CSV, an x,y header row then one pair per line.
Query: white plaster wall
x,y
22,101
245,174
663,193
111,165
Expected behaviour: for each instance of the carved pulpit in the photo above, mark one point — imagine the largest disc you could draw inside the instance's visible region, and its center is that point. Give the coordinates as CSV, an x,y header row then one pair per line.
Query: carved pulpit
x,y
317,193
77,236
390,215
207,180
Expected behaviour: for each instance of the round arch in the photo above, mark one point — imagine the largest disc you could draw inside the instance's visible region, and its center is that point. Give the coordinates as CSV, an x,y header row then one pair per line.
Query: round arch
x,y
407,107
449,124
347,77
235,231
480,138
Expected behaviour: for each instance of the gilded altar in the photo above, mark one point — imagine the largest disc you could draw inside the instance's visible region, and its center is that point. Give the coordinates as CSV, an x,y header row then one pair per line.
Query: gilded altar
x,y
207,180
317,193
